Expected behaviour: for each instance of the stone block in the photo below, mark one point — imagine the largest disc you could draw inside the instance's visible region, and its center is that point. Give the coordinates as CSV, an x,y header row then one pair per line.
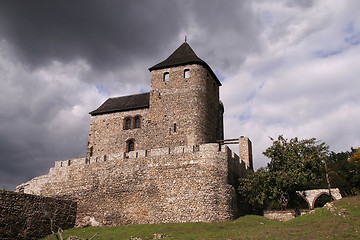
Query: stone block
x,y
160,151
209,147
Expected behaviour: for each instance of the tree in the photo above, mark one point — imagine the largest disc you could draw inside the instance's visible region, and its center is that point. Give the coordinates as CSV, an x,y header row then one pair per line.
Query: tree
x,y
355,156
344,171
255,188
294,165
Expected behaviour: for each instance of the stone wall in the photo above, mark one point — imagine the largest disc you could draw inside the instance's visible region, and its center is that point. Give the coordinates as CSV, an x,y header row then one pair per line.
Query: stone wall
x,y
245,151
107,134
182,111
24,216
180,184
284,215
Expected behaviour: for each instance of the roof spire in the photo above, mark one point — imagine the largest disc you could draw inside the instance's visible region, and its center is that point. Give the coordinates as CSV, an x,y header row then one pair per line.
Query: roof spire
x,y
185,38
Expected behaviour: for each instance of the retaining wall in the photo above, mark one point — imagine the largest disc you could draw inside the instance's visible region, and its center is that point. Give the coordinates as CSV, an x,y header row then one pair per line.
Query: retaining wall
x,y
284,215
25,216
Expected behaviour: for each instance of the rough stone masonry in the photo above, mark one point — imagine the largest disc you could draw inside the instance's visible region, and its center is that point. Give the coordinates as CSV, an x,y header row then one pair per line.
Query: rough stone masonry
x,y
155,157
25,216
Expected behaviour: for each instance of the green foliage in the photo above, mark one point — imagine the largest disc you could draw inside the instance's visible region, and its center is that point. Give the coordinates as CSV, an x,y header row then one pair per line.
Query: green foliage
x,y
295,165
255,188
275,205
344,171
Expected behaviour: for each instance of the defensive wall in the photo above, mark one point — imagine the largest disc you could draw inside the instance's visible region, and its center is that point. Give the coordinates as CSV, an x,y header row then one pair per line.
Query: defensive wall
x,y
24,216
198,183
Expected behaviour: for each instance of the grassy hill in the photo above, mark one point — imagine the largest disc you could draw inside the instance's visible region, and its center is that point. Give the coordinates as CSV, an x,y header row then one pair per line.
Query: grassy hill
x,y
340,220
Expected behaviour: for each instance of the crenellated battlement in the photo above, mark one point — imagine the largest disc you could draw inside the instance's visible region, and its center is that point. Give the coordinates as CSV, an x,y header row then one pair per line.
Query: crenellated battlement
x,y
205,150
202,177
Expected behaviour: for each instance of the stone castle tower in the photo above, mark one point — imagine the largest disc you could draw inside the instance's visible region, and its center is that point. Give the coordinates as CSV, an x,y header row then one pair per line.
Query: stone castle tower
x,y
191,84
155,157
182,108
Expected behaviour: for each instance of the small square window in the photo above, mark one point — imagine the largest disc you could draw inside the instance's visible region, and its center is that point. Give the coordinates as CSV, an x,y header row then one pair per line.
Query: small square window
x,y
186,73
166,77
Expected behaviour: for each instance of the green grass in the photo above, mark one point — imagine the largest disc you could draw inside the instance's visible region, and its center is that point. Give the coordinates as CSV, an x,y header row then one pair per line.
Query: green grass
x,y
342,221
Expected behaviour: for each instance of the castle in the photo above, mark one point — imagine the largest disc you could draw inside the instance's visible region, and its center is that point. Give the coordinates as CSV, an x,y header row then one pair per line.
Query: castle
x,y
155,157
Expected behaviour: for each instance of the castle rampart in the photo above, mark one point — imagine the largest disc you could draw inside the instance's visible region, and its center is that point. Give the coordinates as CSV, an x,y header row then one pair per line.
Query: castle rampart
x,y
143,186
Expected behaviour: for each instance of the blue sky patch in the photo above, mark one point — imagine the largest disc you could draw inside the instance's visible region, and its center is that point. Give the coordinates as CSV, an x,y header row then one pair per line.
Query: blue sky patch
x,y
102,90
251,96
244,118
326,54
352,37
219,76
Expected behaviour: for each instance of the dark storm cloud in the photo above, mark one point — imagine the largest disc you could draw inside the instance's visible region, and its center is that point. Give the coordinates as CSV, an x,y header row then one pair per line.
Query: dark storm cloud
x,y
30,136
106,33
54,53
229,30
113,34
32,153
59,59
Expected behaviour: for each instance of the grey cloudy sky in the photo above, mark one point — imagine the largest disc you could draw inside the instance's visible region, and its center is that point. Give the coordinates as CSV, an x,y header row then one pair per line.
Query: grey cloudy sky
x,y
288,67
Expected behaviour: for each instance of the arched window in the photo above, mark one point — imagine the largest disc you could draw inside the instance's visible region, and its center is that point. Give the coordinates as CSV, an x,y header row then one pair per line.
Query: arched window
x,y
130,145
166,76
137,122
186,73
127,123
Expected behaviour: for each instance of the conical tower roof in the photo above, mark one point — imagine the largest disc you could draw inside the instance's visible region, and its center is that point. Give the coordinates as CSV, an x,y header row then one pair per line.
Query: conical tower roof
x,y
183,55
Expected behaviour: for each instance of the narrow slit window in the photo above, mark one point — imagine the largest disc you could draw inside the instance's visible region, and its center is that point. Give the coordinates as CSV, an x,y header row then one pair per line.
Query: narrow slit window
x,y
166,77
186,73
174,127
